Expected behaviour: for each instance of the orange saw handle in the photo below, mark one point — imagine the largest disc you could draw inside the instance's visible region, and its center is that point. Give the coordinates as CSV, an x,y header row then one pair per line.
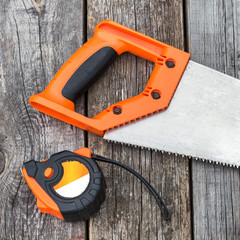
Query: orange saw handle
x,y
85,66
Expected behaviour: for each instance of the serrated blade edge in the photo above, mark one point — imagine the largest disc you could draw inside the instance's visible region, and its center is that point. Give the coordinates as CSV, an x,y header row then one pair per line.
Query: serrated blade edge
x,y
202,121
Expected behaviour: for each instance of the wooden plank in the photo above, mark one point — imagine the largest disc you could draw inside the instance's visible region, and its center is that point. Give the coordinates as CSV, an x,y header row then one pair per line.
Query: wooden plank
x,y
36,38
129,212
213,31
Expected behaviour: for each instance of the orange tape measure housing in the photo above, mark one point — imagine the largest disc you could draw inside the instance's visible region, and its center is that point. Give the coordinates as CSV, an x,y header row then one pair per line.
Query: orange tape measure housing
x,y
44,202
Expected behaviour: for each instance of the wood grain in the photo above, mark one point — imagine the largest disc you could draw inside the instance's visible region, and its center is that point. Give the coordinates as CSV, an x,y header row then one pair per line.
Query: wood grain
x,y
213,29
129,212
36,38
2,162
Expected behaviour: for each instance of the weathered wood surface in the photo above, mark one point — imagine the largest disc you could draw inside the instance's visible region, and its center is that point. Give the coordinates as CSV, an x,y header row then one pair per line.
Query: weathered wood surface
x,y
129,212
35,40
214,30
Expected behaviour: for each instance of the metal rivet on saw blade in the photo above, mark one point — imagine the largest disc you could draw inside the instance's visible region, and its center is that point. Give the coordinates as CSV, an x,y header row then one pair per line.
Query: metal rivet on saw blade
x,y
170,64
117,110
156,95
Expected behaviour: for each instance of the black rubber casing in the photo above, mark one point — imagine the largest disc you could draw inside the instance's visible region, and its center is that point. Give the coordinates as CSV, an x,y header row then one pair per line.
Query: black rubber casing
x,y
79,208
88,73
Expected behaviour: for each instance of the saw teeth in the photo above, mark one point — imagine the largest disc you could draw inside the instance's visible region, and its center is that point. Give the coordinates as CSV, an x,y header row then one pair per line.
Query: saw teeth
x,y
176,154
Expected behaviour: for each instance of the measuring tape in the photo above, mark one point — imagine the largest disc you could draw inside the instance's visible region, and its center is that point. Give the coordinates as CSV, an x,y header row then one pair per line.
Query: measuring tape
x,y
71,186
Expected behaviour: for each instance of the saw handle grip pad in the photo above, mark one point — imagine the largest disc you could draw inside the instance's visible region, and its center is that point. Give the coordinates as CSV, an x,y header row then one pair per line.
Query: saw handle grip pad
x,y
85,66
88,72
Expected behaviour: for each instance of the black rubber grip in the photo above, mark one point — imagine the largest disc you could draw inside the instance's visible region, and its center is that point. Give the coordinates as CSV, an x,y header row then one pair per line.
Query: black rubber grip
x,y
88,73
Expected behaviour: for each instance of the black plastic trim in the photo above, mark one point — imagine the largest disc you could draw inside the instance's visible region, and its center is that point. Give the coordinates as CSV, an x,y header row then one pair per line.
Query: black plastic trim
x,y
88,73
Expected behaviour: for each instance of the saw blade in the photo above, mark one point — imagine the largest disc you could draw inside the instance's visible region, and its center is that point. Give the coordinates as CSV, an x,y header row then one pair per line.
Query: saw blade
x,y
202,120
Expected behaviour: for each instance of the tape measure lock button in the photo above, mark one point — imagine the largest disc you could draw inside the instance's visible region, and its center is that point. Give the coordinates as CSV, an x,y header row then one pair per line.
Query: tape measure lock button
x,y
48,172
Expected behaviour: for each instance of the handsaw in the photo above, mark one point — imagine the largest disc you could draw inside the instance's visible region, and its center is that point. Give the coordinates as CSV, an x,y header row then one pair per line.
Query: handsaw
x,y
185,108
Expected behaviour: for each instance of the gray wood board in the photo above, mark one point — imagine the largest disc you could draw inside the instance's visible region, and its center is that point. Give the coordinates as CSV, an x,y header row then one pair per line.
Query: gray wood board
x,y
36,38
213,30
129,212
